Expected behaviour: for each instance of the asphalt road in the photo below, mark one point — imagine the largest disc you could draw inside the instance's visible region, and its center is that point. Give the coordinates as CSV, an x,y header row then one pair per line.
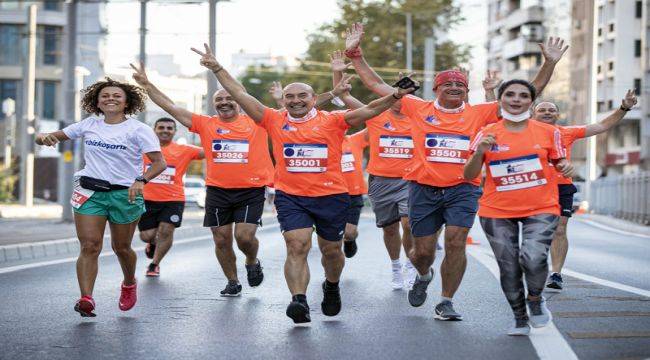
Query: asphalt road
x,y
180,315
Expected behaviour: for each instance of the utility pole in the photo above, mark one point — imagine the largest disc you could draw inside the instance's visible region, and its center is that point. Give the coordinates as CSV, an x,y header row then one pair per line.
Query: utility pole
x,y
593,111
429,64
66,160
9,109
212,81
409,41
143,43
28,126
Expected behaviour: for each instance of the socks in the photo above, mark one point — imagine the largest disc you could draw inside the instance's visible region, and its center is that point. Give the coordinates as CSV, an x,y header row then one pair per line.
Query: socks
x,y
396,264
444,298
426,277
299,298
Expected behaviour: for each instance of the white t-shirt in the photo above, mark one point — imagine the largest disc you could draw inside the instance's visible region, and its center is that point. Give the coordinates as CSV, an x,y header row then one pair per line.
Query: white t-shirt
x,y
113,152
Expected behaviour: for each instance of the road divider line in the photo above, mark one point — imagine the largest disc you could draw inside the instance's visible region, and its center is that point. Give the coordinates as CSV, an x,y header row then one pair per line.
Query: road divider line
x,y
15,268
612,229
608,283
548,341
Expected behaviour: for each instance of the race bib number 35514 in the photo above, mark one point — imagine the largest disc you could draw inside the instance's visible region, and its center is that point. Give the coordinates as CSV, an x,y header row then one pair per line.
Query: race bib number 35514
x,y
310,158
447,148
230,151
517,173
400,147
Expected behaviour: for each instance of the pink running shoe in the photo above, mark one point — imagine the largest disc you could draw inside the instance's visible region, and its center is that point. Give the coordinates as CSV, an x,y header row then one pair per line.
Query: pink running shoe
x,y
128,296
85,306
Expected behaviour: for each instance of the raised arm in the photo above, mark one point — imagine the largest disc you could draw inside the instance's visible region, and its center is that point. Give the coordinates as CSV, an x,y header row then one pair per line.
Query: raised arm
x,y
552,51
367,75
182,115
253,107
614,118
490,84
359,116
337,62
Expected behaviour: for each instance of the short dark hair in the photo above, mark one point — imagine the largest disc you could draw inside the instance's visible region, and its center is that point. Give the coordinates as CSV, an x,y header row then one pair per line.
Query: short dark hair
x,y
165,119
135,96
505,85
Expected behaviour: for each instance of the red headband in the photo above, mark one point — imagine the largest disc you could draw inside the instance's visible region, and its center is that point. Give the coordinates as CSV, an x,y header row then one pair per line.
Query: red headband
x,y
449,76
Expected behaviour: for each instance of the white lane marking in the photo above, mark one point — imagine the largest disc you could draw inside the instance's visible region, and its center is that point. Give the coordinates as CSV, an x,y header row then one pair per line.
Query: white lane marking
x,y
548,341
608,283
108,253
608,228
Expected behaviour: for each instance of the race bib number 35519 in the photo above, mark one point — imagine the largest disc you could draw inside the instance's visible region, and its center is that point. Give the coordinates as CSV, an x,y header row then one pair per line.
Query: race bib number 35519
x,y
400,147
230,151
517,173
447,148
310,158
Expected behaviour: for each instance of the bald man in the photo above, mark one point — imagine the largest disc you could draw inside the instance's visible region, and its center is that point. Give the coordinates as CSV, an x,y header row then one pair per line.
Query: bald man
x,y
238,169
310,189
547,112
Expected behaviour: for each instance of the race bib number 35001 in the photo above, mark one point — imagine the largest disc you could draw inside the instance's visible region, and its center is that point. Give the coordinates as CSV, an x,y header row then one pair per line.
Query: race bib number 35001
x,y
517,173
400,147
230,151
347,162
310,158
447,148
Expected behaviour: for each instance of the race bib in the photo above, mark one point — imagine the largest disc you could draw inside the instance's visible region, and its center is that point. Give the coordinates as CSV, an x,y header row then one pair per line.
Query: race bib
x,y
447,148
517,173
79,195
309,158
400,147
230,151
165,177
347,162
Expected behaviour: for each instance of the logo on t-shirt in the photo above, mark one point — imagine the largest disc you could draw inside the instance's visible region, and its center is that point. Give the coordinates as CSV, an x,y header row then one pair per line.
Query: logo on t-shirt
x,y
431,119
389,126
101,144
499,147
223,131
288,127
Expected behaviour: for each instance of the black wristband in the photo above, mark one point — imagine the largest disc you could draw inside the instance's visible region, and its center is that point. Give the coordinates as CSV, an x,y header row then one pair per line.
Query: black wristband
x,y
398,98
625,109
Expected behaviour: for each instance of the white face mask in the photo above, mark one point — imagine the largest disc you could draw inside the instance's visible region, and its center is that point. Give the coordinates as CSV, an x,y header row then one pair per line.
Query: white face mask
x,y
515,118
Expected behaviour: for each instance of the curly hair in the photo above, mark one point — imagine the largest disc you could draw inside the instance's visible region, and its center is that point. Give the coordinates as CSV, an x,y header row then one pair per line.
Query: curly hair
x,y
135,96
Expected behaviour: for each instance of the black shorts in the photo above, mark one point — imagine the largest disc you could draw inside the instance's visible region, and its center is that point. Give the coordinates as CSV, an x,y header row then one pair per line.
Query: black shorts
x,y
225,206
354,211
566,198
161,211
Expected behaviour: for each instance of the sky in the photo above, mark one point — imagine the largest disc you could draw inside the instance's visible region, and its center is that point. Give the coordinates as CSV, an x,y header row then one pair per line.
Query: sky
x,y
256,26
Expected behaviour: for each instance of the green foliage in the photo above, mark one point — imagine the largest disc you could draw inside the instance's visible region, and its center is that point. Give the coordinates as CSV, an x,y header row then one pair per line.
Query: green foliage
x,y
384,44
7,184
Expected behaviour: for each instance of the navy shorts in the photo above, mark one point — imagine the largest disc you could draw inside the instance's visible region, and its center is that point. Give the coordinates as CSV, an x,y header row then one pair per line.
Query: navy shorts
x,y
566,192
161,211
328,213
354,211
430,207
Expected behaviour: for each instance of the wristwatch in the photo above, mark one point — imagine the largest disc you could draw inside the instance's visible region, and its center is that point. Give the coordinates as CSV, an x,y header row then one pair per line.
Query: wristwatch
x,y
625,109
142,179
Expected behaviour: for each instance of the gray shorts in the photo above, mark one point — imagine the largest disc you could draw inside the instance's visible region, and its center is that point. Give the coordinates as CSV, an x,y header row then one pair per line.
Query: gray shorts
x,y
388,198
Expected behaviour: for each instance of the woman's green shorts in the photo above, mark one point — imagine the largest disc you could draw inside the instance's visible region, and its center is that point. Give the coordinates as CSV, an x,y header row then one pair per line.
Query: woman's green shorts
x,y
114,205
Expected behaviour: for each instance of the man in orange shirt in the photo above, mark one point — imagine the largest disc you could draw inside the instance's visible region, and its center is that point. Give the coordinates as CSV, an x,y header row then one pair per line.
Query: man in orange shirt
x,y
238,169
164,196
310,190
352,168
548,113
438,194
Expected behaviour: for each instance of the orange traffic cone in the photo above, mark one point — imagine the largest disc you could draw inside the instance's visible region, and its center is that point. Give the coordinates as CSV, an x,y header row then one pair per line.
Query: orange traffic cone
x,y
471,241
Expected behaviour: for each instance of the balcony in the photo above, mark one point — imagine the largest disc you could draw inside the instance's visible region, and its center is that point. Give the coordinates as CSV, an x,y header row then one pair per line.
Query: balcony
x,y
518,47
532,14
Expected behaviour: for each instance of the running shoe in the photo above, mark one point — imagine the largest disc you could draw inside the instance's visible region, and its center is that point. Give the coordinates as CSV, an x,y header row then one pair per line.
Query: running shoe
x,y
555,282
398,280
418,293
445,312
331,304
233,288
149,250
153,270
540,315
520,327
411,273
128,296
85,306
254,274
298,312
350,248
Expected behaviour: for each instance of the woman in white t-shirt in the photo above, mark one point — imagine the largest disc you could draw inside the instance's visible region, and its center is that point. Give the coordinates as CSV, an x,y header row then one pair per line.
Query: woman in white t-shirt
x,y
109,187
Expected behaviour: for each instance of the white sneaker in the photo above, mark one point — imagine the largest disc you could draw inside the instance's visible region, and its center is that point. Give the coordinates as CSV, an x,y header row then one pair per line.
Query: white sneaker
x,y
411,273
398,279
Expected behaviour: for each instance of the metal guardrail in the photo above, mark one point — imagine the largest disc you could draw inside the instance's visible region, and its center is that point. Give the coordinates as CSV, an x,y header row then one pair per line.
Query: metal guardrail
x,y
625,197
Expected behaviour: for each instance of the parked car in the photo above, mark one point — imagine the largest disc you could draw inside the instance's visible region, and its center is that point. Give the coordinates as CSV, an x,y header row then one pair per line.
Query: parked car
x,y
578,197
194,189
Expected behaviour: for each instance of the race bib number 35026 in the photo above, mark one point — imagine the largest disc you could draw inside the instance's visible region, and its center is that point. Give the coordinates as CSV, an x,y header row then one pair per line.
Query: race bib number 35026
x,y
447,148
517,173
230,151
310,158
400,147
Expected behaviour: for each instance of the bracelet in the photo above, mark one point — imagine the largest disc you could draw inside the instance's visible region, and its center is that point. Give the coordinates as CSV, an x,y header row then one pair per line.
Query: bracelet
x,y
397,97
625,109
354,53
219,69
331,94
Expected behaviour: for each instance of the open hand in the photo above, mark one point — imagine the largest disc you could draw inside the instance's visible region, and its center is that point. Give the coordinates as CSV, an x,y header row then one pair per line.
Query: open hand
x,y
629,100
276,90
353,36
337,61
553,49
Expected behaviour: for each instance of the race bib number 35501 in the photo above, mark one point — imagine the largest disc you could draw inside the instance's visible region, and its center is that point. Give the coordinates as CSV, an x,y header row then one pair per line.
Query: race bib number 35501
x,y
230,151
400,147
517,173
310,158
447,148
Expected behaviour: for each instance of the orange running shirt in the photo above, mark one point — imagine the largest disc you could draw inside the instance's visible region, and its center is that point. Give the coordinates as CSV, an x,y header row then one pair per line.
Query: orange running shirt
x,y
236,152
352,163
519,182
168,186
391,145
569,135
307,152
442,138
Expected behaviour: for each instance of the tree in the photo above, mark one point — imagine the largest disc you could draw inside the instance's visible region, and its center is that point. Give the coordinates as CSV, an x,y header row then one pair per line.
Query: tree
x,y
384,44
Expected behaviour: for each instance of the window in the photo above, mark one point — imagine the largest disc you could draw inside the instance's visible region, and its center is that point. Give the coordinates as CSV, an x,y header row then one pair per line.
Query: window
x,y
637,48
610,65
600,32
610,104
52,5
639,9
48,108
611,27
8,89
51,48
637,87
600,106
599,69
10,44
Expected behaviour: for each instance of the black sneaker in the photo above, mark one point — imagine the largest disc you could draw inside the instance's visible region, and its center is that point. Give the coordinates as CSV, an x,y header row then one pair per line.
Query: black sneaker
x,y
149,250
331,304
254,274
418,294
445,312
233,288
298,312
350,248
555,282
